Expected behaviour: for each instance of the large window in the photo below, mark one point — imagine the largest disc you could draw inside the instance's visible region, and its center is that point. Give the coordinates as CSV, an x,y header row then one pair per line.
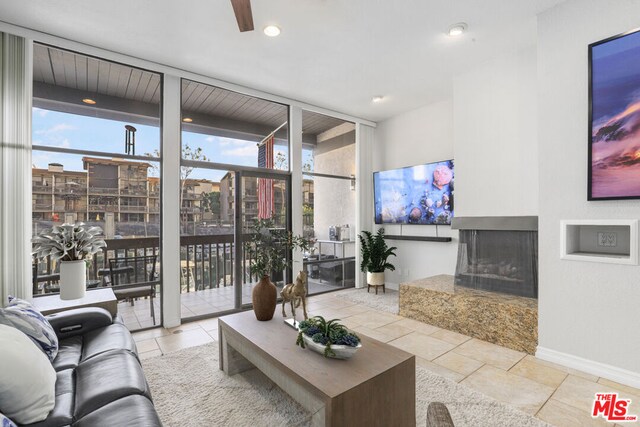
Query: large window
x,y
329,201
235,169
96,145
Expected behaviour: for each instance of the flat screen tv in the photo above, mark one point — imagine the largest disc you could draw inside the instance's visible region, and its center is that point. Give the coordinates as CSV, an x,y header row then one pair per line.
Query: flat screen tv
x,y
420,194
614,118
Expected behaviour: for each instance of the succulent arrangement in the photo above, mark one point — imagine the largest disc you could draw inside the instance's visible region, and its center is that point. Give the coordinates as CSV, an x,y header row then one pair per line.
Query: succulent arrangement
x,y
269,246
375,252
68,242
327,333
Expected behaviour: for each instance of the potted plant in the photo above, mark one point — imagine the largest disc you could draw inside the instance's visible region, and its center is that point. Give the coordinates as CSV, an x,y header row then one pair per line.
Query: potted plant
x,y
72,245
329,338
375,253
268,251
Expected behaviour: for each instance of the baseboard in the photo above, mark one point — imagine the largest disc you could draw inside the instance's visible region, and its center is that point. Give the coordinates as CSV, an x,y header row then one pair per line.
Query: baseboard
x,y
603,370
394,286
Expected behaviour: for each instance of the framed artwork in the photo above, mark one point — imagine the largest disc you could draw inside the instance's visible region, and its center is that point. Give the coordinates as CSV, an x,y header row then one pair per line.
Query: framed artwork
x,y
614,118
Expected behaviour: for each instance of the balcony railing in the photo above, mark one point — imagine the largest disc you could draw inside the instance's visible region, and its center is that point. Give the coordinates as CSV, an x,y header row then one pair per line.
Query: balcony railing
x,y
206,262
98,190
133,191
103,208
36,188
141,209
41,207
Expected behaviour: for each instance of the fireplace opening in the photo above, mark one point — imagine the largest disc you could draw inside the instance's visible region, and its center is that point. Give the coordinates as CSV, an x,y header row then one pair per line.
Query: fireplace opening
x,y
499,260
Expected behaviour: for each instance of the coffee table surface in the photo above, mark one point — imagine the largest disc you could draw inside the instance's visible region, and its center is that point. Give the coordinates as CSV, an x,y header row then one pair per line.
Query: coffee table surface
x,y
101,297
332,377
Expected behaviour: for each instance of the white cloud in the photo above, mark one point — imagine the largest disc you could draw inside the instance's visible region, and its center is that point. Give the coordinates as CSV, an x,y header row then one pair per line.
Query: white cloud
x,y
55,129
40,111
246,151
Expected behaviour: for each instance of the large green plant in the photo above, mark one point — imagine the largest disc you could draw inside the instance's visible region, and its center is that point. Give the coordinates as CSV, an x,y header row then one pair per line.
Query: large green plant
x,y
375,252
269,246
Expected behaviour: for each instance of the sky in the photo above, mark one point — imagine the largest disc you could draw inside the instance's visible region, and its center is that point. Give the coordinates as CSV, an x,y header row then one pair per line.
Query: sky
x,y
58,129
616,81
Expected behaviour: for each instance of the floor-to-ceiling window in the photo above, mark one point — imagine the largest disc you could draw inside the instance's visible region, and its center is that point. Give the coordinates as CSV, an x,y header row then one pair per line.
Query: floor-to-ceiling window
x,y
329,201
96,159
235,169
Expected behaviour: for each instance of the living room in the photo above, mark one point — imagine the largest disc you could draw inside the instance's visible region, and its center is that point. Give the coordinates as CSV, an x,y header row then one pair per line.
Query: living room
x,y
229,131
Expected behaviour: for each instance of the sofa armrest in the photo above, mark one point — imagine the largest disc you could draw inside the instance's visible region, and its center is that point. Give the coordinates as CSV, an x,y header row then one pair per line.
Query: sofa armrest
x,y
79,321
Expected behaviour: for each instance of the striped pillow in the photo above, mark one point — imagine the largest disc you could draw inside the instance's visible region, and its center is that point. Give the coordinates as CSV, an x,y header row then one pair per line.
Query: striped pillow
x,y
6,422
26,318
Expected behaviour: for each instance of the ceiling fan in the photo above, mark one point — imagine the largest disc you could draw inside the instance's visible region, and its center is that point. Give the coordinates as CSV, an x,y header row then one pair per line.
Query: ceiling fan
x,y
242,9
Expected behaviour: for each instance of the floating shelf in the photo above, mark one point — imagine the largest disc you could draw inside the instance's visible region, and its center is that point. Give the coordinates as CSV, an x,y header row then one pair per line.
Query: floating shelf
x,y
419,238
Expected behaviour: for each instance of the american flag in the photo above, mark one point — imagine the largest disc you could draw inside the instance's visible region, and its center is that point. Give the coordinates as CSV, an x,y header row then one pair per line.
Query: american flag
x,y
265,186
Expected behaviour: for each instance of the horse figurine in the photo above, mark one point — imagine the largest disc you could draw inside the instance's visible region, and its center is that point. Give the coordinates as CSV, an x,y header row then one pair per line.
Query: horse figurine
x,y
295,294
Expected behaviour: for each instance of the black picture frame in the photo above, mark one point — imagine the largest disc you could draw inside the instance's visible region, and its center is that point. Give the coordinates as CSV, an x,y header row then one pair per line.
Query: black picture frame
x,y
591,46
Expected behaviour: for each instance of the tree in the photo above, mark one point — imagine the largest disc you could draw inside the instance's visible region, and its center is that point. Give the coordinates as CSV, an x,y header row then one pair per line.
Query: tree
x,y
185,171
211,202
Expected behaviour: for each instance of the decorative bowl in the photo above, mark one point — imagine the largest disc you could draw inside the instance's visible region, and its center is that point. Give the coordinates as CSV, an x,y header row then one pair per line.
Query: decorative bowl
x,y
341,351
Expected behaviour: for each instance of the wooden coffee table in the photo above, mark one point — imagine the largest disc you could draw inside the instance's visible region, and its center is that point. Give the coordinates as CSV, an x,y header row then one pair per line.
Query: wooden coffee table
x,y
376,387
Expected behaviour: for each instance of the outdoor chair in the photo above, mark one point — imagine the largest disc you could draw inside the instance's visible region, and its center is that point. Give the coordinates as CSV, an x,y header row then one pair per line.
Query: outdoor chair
x,y
134,277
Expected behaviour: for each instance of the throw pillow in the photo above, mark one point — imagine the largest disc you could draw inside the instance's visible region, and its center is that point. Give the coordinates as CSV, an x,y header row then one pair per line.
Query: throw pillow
x,y
27,378
6,422
25,317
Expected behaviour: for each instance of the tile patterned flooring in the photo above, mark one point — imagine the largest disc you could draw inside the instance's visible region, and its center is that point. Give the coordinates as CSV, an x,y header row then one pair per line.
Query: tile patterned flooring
x,y
558,395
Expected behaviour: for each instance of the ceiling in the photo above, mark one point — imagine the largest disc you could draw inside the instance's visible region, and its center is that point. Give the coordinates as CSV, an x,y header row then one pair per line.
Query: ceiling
x,y
63,78
336,54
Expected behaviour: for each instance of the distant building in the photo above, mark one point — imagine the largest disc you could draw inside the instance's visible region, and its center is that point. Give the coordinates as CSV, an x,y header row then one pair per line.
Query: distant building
x,y
116,186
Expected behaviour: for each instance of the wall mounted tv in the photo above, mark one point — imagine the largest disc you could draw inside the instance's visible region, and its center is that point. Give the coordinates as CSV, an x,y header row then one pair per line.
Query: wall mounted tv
x,y
420,194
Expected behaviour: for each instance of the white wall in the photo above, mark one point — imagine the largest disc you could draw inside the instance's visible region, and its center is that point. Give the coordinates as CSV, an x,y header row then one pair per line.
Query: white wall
x,y
495,138
419,136
588,310
333,201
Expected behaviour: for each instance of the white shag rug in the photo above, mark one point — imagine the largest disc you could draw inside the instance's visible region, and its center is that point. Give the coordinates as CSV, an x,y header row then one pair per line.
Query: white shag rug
x,y
387,301
188,389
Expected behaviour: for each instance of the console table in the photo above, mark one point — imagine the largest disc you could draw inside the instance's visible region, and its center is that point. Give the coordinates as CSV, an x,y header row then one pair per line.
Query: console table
x,y
103,298
377,386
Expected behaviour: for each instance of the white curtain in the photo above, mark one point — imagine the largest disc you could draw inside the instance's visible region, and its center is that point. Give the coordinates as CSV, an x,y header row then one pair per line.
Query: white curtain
x,y
16,55
365,140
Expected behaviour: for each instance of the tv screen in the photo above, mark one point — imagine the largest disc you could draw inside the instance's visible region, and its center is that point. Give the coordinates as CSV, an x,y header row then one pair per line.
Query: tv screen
x,y
415,195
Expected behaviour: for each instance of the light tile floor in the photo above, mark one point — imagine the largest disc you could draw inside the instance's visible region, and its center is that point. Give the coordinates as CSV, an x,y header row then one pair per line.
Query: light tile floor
x,y
197,303
558,395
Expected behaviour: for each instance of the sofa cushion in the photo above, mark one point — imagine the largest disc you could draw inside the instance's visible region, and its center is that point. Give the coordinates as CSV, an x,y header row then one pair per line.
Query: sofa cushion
x,y
62,413
6,422
130,411
69,353
107,377
113,337
22,315
27,379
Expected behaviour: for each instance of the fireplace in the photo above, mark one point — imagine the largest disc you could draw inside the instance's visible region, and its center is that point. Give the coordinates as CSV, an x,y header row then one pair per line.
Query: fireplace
x,y
498,254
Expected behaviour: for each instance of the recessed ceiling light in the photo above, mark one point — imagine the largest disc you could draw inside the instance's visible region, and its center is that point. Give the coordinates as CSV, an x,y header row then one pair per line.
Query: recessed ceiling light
x,y
89,101
377,98
187,120
457,29
272,30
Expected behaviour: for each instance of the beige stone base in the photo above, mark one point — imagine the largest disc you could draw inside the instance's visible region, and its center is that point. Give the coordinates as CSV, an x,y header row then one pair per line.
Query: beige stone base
x,y
507,320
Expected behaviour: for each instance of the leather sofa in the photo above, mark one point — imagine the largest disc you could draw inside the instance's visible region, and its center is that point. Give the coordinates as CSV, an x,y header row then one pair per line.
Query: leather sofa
x,y
100,381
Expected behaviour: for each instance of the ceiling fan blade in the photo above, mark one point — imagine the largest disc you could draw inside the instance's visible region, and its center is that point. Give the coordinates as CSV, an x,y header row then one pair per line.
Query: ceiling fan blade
x,y
242,9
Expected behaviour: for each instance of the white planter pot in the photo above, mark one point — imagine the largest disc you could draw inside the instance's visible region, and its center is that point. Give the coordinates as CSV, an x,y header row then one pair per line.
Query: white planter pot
x,y
341,351
375,279
73,276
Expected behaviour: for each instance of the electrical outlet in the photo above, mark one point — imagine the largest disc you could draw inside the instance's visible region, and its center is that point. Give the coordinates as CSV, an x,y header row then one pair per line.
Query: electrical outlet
x,y
607,239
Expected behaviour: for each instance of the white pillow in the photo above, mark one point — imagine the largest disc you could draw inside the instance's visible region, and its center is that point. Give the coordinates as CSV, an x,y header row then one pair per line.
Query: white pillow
x,y
27,378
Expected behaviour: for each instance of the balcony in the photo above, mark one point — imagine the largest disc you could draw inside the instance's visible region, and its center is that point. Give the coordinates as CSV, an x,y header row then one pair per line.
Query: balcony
x,y
41,207
76,189
139,209
103,208
37,188
133,192
98,190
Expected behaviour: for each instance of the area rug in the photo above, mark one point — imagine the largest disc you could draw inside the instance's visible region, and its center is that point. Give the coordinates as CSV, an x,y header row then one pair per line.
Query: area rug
x,y
387,301
189,390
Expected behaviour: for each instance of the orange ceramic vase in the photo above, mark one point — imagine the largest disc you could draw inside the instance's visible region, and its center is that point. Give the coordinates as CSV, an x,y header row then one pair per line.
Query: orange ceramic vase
x,y
265,298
